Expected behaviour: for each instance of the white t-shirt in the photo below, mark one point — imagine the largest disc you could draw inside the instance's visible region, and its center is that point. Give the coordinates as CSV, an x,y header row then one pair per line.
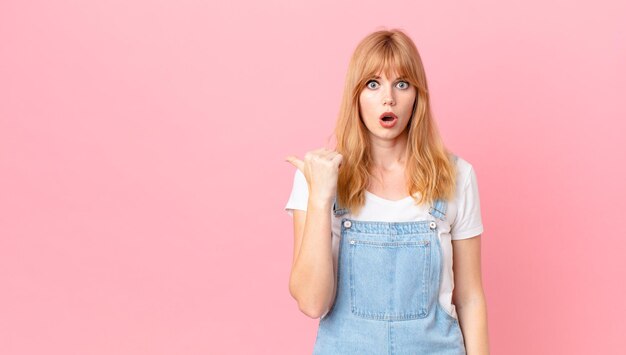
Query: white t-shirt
x,y
462,214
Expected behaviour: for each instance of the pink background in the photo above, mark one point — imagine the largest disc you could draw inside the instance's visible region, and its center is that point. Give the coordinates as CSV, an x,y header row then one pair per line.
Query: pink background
x,y
142,180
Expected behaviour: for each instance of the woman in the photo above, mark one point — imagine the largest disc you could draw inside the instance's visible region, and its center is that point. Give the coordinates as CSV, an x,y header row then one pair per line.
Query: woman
x,y
388,224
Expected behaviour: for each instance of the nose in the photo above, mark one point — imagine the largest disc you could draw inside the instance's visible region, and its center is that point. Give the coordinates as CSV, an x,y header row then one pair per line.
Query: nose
x,y
388,98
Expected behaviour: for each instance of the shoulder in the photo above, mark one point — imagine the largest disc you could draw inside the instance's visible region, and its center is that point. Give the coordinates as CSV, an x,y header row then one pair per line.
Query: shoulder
x,y
299,180
465,217
299,175
464,171
299,193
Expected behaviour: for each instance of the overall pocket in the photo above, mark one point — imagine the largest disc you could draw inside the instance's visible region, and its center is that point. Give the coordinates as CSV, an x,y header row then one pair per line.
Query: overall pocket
x,y
390,280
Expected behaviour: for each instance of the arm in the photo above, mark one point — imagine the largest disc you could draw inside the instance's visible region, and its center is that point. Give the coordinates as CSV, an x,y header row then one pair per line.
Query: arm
x,y
312,279
468,295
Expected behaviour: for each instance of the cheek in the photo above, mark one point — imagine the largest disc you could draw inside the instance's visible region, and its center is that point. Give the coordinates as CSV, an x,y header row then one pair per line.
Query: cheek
x,y
367,104
409,102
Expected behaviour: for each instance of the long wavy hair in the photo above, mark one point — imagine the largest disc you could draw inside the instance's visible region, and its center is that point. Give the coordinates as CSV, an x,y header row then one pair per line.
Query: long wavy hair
x,y
430,171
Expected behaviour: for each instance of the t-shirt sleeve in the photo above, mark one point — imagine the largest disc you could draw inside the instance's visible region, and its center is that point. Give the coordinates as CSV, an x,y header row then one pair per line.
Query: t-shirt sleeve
x,y
468,221
299,197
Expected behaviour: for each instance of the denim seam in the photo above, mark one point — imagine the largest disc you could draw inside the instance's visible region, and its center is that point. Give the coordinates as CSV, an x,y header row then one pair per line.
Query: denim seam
x,y
422,309
450,317
425,281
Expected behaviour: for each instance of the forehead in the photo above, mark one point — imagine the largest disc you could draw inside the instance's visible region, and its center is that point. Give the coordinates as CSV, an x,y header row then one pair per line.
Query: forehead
x,y
389,69
389,76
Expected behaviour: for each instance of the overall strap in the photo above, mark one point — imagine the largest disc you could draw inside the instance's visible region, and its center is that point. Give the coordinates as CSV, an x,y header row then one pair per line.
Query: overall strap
x,y
337,210
438,209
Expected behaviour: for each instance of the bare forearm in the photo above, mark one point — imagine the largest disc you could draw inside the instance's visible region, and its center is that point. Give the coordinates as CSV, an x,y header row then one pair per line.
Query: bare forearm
x,y
312,277
473,321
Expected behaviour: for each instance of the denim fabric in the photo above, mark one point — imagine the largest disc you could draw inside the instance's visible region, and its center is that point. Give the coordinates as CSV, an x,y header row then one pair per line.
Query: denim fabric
x,y
387,290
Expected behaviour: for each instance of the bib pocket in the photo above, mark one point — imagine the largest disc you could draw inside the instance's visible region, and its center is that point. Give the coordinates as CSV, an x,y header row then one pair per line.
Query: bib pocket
x,y
390,279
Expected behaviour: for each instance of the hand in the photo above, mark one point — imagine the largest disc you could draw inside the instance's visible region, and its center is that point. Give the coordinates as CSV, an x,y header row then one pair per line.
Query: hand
x,y
321,169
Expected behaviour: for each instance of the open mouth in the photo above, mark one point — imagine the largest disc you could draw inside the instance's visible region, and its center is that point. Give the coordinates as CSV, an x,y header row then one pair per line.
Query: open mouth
x,y
388,119
388,116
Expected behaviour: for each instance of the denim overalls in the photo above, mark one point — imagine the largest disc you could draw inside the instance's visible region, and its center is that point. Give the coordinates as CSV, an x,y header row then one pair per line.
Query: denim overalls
x,y
387,290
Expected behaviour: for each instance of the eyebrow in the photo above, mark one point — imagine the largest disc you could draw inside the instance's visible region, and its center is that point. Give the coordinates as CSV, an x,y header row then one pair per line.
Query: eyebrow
x,y
398,78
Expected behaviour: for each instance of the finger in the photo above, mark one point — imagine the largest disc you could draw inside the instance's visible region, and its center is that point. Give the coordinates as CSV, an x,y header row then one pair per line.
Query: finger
x,y
328,153
315,153
295,162
337,159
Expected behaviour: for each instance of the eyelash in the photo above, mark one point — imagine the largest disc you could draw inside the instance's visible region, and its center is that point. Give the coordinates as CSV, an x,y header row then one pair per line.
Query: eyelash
x,y
402,81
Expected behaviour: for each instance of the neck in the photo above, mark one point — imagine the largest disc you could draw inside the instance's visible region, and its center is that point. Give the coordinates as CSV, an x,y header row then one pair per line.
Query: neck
x,y
389,154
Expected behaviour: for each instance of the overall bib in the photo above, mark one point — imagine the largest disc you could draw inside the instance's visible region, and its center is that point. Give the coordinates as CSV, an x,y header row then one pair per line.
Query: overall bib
x,y
387,290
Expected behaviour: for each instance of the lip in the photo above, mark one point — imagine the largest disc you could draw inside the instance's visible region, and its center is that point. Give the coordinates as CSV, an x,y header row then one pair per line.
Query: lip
x,y
390,114
388,124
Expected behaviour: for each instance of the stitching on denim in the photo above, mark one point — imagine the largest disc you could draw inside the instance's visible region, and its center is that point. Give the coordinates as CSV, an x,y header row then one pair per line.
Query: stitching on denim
x,y
390,337
425,294
422,309
450,318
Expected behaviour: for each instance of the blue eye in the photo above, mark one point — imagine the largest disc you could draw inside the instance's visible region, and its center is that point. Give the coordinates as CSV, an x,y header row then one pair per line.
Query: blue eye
x,y
403,85
372,82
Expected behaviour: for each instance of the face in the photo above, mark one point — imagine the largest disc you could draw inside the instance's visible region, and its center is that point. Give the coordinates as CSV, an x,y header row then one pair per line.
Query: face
x,y
384,96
